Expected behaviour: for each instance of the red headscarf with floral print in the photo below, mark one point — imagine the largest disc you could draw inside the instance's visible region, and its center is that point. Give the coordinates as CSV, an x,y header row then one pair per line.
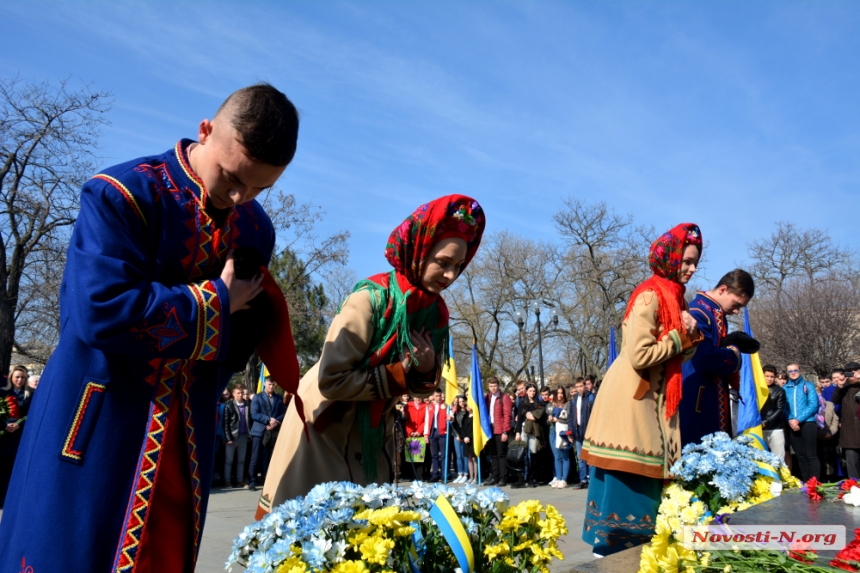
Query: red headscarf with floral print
x,y
408,249
665,258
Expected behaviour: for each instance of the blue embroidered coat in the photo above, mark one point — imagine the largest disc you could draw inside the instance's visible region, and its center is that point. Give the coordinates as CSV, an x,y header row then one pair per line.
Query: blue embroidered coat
x,y
704,405
127,402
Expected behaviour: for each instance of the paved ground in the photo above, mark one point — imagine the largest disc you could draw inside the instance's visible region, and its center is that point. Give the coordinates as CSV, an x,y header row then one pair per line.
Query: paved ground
x,y
230,510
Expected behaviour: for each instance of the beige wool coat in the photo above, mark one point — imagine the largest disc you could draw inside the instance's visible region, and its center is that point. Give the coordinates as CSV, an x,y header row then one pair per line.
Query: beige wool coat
x,y
628,429
330,392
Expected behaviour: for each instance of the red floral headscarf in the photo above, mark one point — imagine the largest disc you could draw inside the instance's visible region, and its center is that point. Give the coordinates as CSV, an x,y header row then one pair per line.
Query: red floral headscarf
x,y
408,247
665,258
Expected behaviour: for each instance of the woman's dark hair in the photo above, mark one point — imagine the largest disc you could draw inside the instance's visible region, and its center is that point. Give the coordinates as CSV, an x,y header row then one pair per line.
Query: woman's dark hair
x,y
555,394
266,121
738,282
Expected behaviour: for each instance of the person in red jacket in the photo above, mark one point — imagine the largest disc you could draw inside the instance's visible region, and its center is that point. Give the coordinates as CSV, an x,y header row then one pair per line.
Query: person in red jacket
x,y
499,406
435,431
415,418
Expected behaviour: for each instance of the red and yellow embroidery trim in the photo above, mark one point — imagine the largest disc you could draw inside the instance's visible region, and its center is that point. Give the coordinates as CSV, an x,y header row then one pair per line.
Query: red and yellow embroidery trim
x,y
150,454
125,193
69,450
208,320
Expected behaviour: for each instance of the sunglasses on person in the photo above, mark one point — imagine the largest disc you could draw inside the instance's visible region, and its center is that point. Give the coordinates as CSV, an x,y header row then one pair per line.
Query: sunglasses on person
x,y
795,371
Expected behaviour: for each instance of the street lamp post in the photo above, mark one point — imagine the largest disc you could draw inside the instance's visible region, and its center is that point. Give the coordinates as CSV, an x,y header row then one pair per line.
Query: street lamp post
x,y
521,316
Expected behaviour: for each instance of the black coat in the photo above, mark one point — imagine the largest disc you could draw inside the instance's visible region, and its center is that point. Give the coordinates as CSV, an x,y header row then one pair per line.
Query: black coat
x,y
231,420
849,428
774,408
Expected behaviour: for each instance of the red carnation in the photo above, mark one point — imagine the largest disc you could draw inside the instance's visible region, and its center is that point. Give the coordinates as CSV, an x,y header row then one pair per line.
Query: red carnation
x,y
12,402
845,486
811,488
808,556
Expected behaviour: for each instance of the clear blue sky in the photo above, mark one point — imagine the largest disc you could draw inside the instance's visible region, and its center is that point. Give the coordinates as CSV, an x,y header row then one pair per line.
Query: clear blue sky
x,y
733,115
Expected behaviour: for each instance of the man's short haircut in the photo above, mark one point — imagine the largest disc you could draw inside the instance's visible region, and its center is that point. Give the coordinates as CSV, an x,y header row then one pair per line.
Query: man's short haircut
x,y
266,121
492,380
238,386
739,282
836,371
769,368
437,391
590,377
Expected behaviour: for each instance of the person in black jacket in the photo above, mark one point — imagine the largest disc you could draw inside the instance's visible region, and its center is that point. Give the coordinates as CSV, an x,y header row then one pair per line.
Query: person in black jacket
x,y
530,412
773,413
237,427
578,414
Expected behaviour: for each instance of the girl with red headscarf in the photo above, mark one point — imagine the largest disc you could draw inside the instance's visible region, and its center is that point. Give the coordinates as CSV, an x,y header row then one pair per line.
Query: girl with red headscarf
x,y
386,340
632,437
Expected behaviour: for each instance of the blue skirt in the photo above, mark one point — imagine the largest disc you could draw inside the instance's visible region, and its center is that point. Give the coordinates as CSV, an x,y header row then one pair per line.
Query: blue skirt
x,y
621,510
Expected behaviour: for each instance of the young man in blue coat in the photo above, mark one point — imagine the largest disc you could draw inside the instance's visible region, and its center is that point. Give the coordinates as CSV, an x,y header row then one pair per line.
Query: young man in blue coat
x,y
802,402
118,454
712,371
267,414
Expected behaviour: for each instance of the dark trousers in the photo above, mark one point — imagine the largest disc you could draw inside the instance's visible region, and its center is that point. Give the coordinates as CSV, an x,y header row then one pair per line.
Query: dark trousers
x,y
437,453
497,450
260,456
805,444
852,462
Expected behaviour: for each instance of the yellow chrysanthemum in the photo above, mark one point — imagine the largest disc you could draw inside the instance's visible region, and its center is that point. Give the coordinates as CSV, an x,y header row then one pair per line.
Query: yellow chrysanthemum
x,y
648,560
705,560
493,551
350,567
375,549
404,531
357,536
690,515
293,565
525,510
668,562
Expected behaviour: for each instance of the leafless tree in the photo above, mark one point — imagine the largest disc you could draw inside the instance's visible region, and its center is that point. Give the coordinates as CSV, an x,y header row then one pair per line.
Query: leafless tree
x,y
814,323
508,273
791,252
606,256
47,137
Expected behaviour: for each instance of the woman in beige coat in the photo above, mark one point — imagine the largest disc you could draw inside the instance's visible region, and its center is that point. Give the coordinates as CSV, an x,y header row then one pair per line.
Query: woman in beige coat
x,y
385,341
632,438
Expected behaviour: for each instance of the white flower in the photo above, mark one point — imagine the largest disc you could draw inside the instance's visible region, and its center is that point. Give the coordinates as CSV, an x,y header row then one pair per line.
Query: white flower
x,y
853,496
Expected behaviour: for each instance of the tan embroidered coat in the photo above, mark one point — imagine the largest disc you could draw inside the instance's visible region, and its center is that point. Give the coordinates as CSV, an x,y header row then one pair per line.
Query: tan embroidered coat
x,y
330,392
628,430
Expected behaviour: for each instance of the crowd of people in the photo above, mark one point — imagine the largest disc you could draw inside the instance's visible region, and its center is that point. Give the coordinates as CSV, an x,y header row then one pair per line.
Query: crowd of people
x,y
815,423
247,428
545,428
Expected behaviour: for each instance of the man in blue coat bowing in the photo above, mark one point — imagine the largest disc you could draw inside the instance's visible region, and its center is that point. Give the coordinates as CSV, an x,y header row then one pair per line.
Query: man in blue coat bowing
x,y
713,370
267,415
114,470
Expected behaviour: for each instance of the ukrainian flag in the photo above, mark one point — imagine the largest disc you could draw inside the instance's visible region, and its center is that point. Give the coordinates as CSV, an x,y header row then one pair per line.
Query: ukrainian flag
x,y
452,530
449,374
754,392
481,430
264,373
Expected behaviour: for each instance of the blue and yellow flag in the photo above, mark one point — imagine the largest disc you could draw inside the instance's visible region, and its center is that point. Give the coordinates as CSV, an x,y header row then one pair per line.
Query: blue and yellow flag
x,y
753,391
264,373
449,374
454,533
481,430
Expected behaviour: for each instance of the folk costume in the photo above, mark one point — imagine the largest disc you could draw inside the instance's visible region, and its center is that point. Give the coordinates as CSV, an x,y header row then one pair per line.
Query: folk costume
x,y
118,450
632,438
350,394
709,375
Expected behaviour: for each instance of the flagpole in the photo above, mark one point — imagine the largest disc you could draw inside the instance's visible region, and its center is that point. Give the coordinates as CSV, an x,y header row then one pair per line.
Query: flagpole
x,y
478,454
447,435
